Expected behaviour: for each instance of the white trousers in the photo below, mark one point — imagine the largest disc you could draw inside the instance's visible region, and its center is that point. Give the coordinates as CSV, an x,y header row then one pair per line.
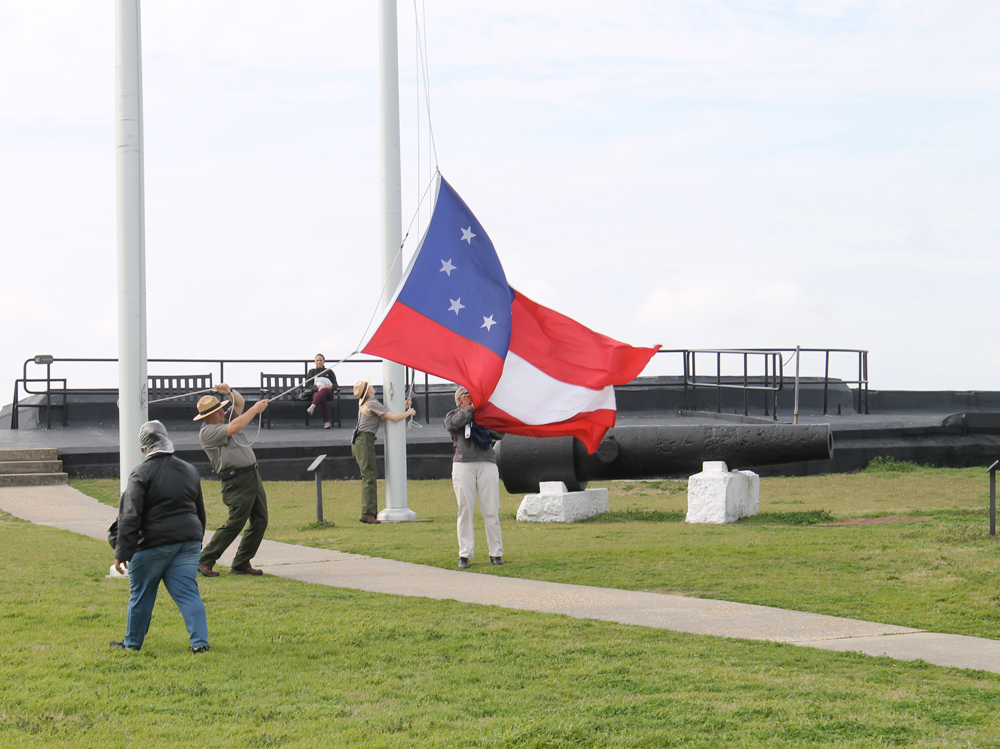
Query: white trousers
x,y
471,479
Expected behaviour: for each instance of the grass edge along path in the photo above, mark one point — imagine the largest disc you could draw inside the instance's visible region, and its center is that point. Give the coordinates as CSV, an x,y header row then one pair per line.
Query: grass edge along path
x,y
298,665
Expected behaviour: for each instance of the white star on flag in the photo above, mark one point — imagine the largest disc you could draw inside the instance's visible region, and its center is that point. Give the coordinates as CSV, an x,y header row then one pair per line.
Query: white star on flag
x,y
456,305
467,235
447,267
488,322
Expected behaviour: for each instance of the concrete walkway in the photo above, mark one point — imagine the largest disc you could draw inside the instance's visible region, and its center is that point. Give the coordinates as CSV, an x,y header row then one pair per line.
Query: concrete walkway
x,y
66,508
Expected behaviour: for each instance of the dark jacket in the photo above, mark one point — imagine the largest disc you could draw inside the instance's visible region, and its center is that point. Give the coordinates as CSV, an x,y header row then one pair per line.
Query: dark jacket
x,y
327,373
162,504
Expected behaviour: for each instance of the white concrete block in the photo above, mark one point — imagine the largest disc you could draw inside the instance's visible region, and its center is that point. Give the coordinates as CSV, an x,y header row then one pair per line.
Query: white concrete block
x,y
552,487
553,504
718,495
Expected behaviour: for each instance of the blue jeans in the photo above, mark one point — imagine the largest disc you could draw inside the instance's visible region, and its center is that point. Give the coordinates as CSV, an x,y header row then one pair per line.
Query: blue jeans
x,y
177,566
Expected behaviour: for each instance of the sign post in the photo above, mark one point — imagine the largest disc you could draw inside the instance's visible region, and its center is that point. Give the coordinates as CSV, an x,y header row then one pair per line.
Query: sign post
x,y
993,497
314,469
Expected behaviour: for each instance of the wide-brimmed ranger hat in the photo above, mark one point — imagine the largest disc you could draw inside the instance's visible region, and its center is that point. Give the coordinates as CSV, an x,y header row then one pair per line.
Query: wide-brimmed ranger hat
x,y
361,387
208,405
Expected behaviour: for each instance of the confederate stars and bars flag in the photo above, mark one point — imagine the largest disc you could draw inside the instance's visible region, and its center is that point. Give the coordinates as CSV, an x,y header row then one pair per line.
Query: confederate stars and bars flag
x,y
529,370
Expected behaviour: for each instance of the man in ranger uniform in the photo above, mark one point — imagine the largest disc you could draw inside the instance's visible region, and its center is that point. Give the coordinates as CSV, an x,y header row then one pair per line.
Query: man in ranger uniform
x,y
242,490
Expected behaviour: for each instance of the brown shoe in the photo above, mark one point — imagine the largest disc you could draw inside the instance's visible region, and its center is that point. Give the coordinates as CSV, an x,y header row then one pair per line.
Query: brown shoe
x,y
207,571
370,519
245,571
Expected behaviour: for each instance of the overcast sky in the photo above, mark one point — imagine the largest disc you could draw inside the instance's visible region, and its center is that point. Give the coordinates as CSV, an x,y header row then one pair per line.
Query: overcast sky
x,y
699,175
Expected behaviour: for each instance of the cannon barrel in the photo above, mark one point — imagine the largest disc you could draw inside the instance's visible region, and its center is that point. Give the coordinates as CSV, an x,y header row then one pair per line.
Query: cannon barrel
x,y
643,452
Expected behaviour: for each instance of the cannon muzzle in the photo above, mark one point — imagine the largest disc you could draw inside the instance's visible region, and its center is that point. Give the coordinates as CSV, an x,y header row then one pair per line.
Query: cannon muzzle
x,y
646,452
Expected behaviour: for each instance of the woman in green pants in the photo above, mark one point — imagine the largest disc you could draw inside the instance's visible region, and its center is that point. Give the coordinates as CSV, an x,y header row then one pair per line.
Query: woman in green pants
x,y
370,415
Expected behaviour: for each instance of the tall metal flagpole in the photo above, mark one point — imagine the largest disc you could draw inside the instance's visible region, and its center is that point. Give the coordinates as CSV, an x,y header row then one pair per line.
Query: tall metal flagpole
x,y
393,375
131,236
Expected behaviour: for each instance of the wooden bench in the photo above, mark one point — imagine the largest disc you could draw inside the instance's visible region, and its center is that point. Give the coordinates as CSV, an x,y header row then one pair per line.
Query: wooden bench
x,y
183,391
272,385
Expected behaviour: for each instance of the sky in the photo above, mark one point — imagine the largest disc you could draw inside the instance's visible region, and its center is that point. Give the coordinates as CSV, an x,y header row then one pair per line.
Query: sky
x,y
719,174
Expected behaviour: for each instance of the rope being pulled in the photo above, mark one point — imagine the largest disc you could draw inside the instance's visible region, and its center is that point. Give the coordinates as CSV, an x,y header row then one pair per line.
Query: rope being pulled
x,y
260,416
293,388
182,395
280,395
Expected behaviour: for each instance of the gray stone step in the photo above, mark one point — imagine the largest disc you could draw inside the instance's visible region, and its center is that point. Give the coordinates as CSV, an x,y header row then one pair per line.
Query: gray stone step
x,y
30,466
41,453
32,479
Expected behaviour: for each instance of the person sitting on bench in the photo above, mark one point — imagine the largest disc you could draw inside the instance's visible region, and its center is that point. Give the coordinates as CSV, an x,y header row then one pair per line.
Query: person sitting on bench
x,y
324,383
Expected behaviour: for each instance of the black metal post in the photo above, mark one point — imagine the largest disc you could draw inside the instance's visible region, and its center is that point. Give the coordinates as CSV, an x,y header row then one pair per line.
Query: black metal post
x,y
48,395
826,381
745,411
866,382
319,497
774,383
427,399
766,381
718,382
860,376
694,380
685,358
993,498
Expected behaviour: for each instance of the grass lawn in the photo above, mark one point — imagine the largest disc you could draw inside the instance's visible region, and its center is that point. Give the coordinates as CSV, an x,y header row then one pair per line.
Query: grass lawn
x,y
299,665
939,574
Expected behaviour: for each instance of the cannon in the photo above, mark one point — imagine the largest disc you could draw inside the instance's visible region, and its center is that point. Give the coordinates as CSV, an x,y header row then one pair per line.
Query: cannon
x,y
643,452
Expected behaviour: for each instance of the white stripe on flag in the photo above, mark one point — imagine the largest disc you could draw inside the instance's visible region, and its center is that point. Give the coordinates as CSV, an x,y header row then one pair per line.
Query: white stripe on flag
x,y
533,397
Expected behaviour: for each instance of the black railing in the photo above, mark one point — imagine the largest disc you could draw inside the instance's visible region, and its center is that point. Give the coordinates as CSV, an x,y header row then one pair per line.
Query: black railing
x,y
770,378
770,383
23,385
766,376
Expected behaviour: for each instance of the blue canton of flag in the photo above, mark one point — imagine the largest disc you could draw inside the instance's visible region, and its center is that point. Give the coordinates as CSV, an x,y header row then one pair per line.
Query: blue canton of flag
x,y
456,279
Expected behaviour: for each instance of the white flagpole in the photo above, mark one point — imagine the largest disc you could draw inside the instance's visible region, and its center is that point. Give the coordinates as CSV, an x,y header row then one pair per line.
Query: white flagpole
x,y
131,236
393,375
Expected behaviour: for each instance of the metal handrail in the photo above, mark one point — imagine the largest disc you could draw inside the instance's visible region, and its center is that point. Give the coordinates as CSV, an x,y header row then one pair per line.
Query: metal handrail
x,y
770,382
22,382
861,382
773,377
773,374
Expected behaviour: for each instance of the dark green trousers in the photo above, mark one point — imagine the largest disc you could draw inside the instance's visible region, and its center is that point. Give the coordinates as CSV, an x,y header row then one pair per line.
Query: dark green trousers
x,y
244,496
364,452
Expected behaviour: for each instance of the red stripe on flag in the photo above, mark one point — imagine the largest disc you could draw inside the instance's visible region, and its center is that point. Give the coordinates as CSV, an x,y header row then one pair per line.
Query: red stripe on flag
x,y
571,352
589,427
408,337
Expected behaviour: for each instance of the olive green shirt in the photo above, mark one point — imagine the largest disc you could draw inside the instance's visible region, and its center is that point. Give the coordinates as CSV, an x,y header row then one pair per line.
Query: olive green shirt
x,y
370,422
225,451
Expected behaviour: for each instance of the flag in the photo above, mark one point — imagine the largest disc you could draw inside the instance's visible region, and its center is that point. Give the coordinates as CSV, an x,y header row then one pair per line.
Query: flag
x,y
529,370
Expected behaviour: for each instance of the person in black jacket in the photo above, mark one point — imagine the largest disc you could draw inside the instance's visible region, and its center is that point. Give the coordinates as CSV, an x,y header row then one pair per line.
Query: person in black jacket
x,y
324,384
161,522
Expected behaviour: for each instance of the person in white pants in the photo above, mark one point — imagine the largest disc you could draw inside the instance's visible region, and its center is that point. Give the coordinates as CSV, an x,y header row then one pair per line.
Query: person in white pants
x,y
474,473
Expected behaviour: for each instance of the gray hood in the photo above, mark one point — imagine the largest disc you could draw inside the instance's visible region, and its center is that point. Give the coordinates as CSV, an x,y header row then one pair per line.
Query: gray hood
x,y
153,439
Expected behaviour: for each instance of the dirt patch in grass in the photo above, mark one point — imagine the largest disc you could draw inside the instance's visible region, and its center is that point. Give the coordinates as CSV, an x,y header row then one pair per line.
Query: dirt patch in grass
x,y
871,521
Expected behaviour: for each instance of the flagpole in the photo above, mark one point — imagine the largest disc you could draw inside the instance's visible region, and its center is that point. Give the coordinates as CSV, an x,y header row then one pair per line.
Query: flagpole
x,y
393,375
131,233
